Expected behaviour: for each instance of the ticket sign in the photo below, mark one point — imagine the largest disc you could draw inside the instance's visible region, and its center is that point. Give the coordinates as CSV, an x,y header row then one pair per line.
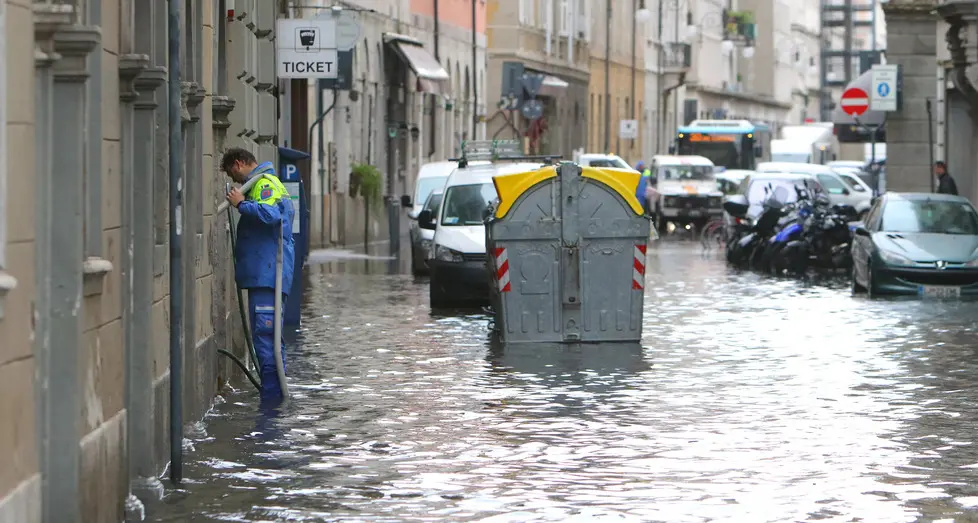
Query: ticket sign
x,y
700,137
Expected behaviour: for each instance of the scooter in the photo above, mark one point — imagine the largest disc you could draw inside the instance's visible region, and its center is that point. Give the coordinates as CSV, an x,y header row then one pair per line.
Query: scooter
x,y
745,251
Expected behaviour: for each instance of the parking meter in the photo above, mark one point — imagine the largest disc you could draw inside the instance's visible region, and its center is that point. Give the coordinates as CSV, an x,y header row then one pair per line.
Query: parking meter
x,y
288,169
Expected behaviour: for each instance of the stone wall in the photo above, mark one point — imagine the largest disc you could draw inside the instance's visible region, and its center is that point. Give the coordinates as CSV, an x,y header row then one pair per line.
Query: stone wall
x,y
84,362
911,28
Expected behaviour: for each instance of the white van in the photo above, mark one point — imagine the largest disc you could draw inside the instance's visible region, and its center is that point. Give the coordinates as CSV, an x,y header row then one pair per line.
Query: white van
x,y
457,258
431,177
685,191
603,161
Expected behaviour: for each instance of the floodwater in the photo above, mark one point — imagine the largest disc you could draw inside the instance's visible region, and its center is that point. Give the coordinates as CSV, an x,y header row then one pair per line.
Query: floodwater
x,y
751,400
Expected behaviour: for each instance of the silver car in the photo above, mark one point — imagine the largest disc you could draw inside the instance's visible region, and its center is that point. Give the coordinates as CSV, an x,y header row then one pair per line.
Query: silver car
x,y
421,237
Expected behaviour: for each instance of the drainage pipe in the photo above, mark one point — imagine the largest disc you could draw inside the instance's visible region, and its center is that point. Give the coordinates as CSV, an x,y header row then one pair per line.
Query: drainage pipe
x,y
176,240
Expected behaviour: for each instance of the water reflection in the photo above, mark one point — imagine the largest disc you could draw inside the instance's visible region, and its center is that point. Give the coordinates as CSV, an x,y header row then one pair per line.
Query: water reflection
x,y
753,399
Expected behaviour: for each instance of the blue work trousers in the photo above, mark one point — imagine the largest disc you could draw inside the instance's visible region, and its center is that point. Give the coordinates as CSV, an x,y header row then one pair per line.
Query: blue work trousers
x,y
262,303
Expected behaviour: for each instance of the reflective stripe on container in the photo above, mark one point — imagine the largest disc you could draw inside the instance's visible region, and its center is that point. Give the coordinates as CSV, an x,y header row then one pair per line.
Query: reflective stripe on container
x,y
502,270
638,267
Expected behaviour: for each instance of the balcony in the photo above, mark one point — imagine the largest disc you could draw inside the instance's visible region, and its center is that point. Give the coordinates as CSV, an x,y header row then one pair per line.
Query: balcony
x,y
676,57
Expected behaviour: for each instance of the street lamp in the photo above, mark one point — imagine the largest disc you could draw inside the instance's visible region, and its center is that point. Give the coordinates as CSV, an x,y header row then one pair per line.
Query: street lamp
x,y
643,15
748,52
727,46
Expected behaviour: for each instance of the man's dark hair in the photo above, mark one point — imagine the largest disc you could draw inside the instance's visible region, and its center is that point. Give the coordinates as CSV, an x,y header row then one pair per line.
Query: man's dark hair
x,y
940,163
237,154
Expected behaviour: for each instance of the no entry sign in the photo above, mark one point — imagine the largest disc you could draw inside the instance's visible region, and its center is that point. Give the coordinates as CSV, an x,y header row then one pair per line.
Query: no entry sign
x,y
854,101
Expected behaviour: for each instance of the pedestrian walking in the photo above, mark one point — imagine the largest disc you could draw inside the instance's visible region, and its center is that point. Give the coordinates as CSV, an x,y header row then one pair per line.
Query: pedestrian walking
x,y
945,184
266,215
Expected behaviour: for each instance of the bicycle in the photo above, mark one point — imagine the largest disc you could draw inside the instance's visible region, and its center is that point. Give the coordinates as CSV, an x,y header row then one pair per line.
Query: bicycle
x,y
714,232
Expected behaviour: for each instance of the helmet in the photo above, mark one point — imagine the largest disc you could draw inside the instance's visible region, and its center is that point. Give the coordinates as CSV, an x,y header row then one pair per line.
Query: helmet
x,y
640,165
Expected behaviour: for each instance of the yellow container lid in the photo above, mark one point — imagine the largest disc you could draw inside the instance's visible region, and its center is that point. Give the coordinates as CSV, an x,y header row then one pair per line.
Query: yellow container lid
x,y
509,187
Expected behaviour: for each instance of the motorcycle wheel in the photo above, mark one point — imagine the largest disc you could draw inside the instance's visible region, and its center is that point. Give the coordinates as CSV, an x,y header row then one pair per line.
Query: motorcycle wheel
x,y
756,255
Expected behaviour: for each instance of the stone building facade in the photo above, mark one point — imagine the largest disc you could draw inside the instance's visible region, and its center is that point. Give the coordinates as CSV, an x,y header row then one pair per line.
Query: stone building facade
x,y
84,254
405,108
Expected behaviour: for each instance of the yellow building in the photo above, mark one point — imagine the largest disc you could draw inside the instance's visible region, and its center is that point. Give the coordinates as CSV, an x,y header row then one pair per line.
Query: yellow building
x,y
616,92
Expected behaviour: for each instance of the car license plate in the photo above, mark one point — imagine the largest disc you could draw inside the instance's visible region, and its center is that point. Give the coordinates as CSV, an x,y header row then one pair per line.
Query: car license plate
x,y
691,212
939,291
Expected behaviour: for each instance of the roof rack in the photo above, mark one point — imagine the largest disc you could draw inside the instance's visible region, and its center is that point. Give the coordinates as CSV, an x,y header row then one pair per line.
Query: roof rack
x,y
496,150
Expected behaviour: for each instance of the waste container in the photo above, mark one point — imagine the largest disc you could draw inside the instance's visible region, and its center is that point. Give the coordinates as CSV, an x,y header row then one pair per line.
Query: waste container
x,y
567,249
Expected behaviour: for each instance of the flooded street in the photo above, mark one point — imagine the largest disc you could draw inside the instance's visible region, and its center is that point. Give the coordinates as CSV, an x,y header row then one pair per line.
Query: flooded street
x,y
751,399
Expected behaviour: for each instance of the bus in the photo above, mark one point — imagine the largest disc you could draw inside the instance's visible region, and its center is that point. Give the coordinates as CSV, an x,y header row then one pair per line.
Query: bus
x,y
729,144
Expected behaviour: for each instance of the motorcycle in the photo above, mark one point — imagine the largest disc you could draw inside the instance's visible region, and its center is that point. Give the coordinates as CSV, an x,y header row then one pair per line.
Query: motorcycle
x,y
824,242
744,252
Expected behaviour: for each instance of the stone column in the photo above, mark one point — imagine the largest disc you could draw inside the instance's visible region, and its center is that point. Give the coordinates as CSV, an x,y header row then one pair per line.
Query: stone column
x,y
193,217
48,19
61,470
911,28
138,146
961,100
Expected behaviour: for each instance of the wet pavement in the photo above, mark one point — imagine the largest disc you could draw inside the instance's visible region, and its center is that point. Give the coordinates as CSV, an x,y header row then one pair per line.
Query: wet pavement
x,y
752,399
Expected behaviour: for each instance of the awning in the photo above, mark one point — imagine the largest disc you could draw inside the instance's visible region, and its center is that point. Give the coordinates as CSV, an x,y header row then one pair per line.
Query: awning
x,y
553,86
432,77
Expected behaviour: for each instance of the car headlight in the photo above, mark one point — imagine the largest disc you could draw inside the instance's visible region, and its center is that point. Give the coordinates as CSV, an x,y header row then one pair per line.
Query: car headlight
x,y
895,259
446,254
425,245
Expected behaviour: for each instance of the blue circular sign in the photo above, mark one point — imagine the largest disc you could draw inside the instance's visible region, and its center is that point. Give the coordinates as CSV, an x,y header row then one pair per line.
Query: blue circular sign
x,y
883,89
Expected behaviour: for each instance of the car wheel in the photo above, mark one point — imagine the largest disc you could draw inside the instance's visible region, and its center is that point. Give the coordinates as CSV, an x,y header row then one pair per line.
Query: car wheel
x,y
437,299
870,287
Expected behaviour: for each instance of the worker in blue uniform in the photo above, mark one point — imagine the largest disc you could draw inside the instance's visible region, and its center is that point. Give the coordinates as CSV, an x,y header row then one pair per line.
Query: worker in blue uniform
x,y
643,184
266,214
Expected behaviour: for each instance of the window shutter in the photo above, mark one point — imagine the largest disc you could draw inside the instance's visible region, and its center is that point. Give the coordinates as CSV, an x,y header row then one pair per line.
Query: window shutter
x,y
566,19
584,19
523,18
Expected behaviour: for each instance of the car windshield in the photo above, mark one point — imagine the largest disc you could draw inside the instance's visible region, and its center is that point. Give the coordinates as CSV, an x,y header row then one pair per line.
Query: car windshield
x,y
851,181
929,216
686,173
466,204
432,203
616,163
427,185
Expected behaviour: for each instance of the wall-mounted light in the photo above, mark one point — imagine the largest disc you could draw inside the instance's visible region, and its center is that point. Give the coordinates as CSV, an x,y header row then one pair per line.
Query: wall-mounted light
x,y
415,133
727,47
748,52
643,15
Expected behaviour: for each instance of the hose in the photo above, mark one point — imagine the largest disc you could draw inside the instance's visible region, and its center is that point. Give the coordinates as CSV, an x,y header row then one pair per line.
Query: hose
x,y
241,307
241,364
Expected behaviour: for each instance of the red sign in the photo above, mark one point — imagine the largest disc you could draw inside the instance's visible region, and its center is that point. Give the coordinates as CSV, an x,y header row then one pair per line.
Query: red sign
x,y
854,101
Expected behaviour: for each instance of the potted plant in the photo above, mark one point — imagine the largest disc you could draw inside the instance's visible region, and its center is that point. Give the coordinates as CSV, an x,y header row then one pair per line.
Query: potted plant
x,y
366,180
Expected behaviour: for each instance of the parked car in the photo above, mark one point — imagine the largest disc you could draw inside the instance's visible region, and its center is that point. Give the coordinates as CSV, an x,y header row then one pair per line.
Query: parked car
x,y
917,243
421,237
838,190
729,180
457,258
431,177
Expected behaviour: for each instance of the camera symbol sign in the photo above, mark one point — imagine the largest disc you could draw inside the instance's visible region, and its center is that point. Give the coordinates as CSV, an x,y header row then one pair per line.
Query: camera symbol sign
x,y
307,39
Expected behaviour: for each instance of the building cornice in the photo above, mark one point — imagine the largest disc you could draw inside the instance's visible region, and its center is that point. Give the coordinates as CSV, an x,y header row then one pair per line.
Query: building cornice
x,y
747,97
910,8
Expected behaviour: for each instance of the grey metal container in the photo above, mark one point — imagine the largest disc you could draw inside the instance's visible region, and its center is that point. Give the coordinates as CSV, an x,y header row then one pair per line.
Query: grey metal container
x,y
567,253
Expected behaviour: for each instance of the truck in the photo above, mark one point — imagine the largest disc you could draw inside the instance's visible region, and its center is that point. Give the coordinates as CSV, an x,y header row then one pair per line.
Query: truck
x,y
809,143
729,144
684,191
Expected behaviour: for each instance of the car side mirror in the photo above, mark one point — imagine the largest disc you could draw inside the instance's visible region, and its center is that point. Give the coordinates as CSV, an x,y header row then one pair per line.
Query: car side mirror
x,y
406,201
845,192
426,219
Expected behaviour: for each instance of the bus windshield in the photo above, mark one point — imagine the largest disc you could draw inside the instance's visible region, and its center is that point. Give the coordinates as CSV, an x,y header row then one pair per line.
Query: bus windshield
x,y
724,150
682,173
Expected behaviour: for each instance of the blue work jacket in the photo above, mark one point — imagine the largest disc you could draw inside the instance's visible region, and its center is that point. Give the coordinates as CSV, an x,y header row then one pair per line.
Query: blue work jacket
x,y
266,212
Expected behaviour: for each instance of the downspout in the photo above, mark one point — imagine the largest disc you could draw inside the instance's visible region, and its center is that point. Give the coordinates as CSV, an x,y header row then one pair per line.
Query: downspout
x,y
634,62
607,79
432,117
176,240
959,63
660,121
475,76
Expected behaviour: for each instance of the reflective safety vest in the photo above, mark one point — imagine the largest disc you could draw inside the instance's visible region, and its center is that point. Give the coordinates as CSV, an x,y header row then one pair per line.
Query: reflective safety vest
x,y
647,173
266,213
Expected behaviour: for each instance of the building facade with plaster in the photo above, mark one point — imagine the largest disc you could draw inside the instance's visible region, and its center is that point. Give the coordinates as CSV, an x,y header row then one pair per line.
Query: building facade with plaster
x,y
550,38
616,91
418,90
84,254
